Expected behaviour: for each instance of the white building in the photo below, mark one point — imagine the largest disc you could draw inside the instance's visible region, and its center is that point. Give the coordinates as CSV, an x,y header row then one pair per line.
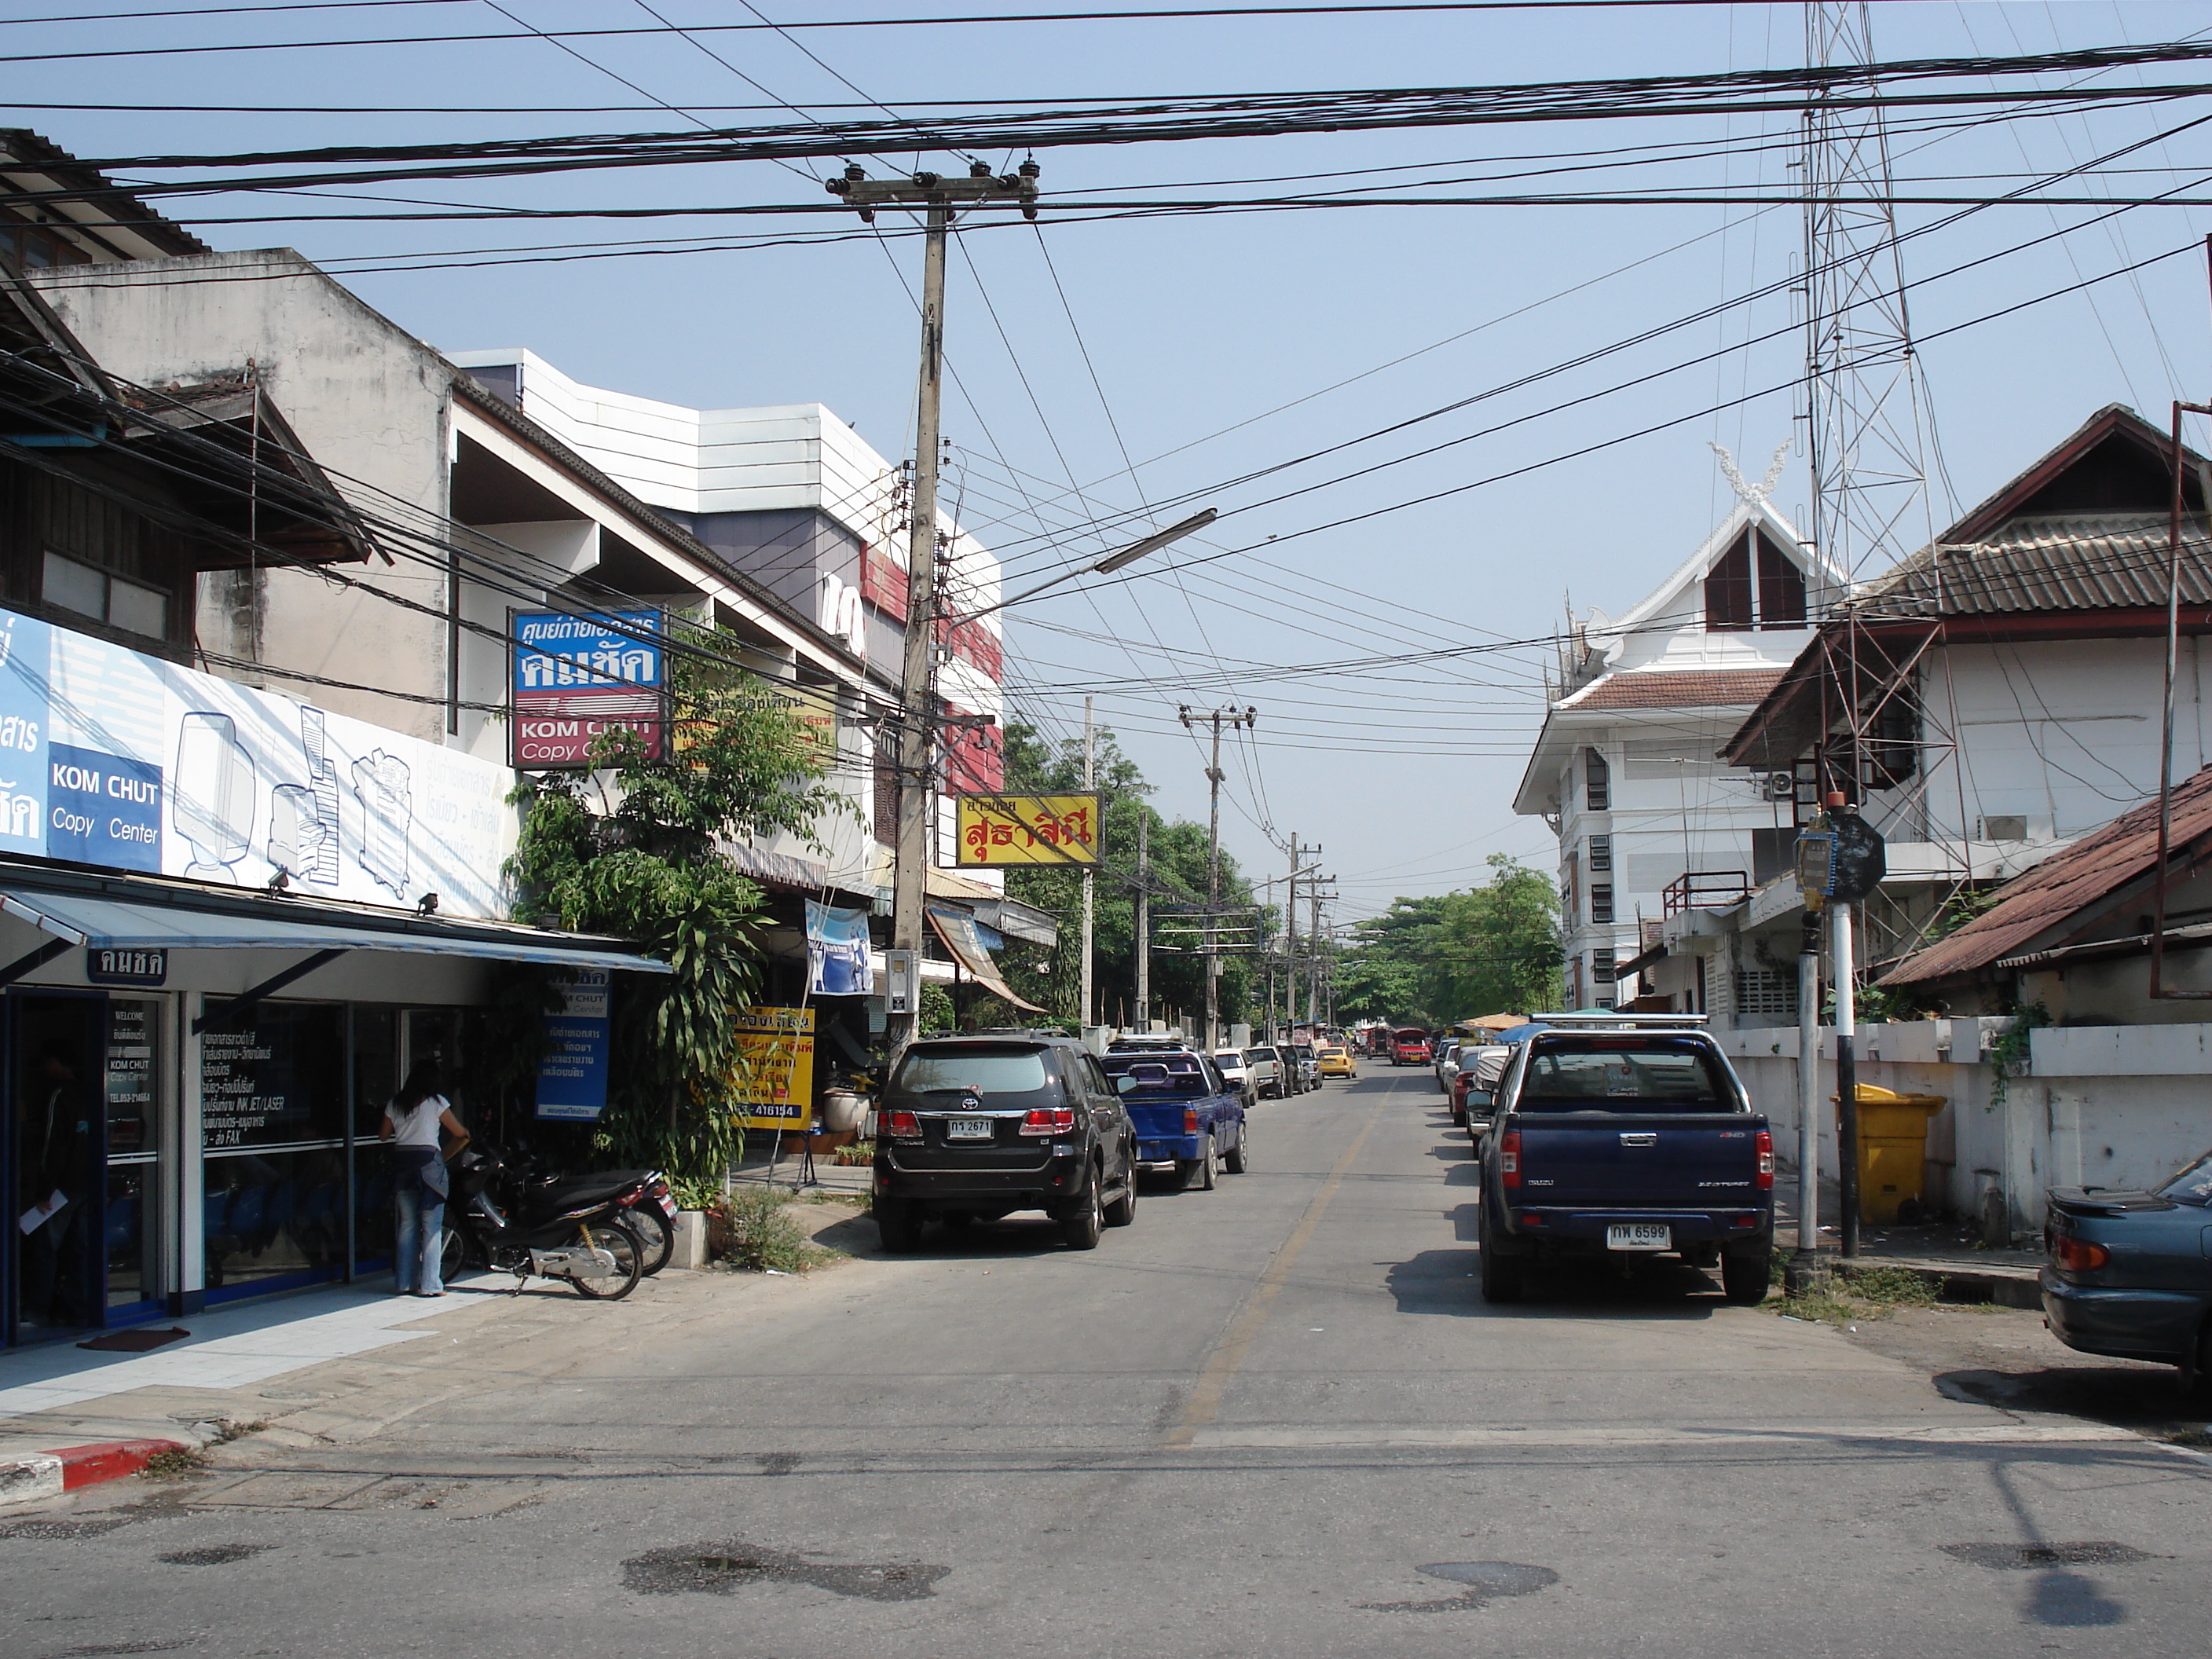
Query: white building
x,y
1650,821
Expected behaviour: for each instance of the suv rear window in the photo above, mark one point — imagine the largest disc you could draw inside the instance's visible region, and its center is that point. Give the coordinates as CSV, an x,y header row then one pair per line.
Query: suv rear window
x,y
988,1071
1623,1074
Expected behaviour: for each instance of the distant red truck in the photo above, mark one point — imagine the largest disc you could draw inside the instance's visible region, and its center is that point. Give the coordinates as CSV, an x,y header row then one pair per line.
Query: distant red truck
x,y
1411,1048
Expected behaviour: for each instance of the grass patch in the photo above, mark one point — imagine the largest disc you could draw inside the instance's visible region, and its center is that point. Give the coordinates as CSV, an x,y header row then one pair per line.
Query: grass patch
x,y
2198,1439
189,1460
761,1235
1858,1295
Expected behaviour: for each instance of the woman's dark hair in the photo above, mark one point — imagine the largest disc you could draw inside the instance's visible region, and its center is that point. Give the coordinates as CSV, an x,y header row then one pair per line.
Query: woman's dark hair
x,y
424,1079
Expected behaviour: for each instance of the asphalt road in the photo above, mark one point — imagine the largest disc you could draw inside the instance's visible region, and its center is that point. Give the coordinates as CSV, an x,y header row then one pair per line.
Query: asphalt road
x,y
1272,1418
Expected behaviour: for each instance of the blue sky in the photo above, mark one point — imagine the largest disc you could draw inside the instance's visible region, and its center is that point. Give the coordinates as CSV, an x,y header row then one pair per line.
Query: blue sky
x,y
1222,345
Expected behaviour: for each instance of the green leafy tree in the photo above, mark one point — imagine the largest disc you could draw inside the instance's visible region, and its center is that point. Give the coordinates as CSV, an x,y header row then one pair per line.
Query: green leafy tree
x,y
637,849
1491,948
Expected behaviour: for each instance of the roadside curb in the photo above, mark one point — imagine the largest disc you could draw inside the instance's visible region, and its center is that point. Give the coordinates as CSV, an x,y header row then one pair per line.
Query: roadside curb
x,y
2013,1288
31,1476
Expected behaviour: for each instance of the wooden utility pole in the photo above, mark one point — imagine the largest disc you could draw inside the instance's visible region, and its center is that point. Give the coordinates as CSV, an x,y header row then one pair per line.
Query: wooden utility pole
x,y
936,195
1144,940
1234,717
1089,916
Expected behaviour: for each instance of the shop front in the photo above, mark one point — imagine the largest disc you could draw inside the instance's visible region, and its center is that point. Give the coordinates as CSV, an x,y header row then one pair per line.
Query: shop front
x,y
193,1079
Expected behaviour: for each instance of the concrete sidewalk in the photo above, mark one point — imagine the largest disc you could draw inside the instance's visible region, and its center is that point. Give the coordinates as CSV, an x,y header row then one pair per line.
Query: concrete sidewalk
x,y
1944,1253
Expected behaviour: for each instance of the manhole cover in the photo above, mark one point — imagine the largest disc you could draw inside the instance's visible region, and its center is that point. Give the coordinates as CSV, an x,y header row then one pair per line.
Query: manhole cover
x,y
722,1569
1485,1581
214,1555
58,1528
2016,1557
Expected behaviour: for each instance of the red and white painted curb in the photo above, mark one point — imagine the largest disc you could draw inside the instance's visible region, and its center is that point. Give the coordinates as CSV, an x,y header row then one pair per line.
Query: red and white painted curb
x,y
32,1475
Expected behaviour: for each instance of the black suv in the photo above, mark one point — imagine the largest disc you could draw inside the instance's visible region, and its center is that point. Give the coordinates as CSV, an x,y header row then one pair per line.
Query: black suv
x,y
973,1127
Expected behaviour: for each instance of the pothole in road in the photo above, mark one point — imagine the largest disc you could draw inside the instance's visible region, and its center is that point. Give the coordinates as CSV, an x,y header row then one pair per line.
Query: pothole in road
x,y
1485,1582
722,1569
2029,1557
214,1555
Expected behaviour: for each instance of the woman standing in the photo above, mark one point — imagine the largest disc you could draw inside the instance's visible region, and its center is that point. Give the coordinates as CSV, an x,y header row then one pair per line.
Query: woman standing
x,y
412,1122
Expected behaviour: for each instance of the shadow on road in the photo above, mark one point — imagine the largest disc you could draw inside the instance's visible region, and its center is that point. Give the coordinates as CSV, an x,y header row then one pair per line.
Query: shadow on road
x,y
2128,1396
1445,1282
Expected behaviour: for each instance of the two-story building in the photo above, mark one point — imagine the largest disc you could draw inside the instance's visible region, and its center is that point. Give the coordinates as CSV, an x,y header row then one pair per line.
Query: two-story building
x,y
1651,822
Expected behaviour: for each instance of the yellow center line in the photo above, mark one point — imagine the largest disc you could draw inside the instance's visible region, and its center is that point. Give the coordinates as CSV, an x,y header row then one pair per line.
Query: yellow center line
x,y
1227,1355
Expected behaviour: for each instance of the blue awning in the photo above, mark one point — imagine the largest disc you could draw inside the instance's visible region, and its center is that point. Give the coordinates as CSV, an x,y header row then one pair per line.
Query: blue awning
x,y
130,924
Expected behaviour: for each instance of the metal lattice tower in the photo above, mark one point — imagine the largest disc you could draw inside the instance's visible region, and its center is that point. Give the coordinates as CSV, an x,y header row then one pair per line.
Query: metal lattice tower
x,y
1865,408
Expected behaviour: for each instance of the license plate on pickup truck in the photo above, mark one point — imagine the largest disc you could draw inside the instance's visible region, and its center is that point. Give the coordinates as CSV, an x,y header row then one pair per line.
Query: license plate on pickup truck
x,y
977,1128
1639,1235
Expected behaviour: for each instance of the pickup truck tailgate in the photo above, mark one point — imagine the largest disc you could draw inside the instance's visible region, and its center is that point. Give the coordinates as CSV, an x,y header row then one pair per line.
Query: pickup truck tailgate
x,y
1641,1160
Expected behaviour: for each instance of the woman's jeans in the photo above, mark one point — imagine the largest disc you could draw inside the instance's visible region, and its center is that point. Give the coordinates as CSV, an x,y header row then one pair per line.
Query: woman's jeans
x,y
416,1254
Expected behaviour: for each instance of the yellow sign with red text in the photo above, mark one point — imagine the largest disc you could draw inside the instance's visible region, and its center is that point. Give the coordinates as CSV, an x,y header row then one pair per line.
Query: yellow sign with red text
x,y
1000,829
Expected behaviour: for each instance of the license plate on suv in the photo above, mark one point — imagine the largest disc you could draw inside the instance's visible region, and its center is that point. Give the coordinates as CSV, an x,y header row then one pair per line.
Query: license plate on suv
x,y
968,1128
1639,1235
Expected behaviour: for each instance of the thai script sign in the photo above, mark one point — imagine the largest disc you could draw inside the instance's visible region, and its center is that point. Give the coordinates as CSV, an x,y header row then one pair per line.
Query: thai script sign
x,y
1028,829
776,1089
575,677
122,760
572,1073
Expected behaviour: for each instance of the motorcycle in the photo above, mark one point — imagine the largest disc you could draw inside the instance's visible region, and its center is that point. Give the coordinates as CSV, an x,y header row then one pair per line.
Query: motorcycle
x,y
579,1231
648,1205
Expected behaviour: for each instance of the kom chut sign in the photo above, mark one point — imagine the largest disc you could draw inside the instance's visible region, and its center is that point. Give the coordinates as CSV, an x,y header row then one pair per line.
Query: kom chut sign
x,y
112,759
574,677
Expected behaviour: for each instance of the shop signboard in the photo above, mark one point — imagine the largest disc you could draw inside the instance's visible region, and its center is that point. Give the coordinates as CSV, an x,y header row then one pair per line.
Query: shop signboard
x,y
572,1074
575,677
114,758
776,1088
143,970
1000,829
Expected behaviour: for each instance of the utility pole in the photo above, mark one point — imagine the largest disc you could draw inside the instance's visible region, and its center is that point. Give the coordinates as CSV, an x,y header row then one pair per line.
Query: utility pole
x,y
1291,928
1807,1260
1236,717
936,195
1847,1075
1090,914
1313,950
1144,940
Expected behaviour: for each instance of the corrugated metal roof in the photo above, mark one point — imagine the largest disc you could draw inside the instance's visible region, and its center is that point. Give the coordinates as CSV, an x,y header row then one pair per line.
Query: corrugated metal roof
x,y
2063,884
1695,687
2049,561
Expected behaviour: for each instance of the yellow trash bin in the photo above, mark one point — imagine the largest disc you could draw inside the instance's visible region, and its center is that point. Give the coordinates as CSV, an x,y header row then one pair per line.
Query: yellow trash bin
x,y
1893,1150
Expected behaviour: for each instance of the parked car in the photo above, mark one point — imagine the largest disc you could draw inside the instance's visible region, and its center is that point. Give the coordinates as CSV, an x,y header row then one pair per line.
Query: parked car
x,y
1309,1064
1236,1074
2130,1272
1410,1047
1626,1137
972,1128
1444,1063
1474,1083
1265,1068
1187,1118
1337,1061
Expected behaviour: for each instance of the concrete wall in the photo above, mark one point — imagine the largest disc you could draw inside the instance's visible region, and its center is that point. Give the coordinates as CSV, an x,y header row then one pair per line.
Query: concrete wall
x,y
370,404
2104,1106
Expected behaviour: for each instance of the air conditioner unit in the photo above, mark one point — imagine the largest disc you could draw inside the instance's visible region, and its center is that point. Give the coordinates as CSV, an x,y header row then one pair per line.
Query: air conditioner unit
x,y
1779,786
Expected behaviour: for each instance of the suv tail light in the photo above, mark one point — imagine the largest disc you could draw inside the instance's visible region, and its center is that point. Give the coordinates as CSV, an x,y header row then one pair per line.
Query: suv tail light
x,y
1508,1158
2076,1256
1190,1120
1049,1121
1764,1144
902,1126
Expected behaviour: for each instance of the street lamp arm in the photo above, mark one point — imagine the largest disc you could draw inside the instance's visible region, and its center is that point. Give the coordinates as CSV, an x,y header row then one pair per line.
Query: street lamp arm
x,y
1114,561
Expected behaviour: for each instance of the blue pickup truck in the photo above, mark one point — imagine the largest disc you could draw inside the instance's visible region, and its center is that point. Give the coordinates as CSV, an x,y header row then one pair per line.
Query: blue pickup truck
x,y
1630,1134
1188,1117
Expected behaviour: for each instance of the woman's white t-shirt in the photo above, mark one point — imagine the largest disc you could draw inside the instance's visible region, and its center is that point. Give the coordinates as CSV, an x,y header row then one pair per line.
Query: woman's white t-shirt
x,y
416,1126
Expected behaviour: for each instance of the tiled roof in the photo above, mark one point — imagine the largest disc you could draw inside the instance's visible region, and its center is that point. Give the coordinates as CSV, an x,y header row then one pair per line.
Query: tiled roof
x,y
2048,561
1693,687
2065,882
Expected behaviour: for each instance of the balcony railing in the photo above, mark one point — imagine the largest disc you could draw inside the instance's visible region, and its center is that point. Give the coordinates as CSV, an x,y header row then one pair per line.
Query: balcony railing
x,y
1705,889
